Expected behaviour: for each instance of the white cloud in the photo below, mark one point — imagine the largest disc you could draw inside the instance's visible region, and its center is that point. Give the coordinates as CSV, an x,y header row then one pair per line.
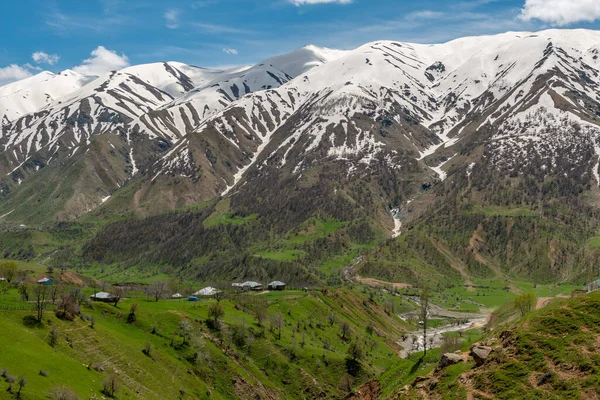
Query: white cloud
x,y
230,51
102,60
561,12
44,58
304,2
13,73
425,14
32,67
172,19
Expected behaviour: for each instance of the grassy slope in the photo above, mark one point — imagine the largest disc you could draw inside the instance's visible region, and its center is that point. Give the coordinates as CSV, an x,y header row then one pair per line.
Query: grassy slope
x,y
561,340
282,367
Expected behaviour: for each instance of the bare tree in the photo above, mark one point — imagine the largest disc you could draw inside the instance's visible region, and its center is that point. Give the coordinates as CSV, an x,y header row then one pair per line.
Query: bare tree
x,y
40,293
118,293
63,393
110,386
55,292
260,312
21,384
277,323
157,290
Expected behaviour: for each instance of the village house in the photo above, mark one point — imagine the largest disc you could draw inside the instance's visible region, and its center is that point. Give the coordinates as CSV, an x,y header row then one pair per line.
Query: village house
x,y
276,285
103,297
207,291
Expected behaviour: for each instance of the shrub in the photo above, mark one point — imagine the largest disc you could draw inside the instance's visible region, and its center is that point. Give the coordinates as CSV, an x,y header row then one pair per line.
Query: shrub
x,y
63,393
54,337
110,385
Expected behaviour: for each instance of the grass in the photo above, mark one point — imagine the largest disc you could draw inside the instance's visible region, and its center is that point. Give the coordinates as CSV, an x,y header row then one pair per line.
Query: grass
x,y
594,242
223,216
283,255
311,348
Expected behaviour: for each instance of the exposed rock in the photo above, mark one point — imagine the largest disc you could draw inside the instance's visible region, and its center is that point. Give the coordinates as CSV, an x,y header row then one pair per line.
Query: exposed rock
x,y
368,391
480,353
418,380
450,359
544,378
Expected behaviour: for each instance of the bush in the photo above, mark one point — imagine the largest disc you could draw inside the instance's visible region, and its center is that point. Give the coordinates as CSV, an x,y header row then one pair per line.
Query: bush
x,y
54,337
63,393
147,350
110,386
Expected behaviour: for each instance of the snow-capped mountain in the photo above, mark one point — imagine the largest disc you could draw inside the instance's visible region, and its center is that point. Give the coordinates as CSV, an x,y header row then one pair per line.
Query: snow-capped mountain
x,y
29,95
136,113
418,113
425,98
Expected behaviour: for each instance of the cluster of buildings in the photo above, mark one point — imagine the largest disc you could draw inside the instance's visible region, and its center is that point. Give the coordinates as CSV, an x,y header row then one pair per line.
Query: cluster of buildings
x,y
248,285
208,291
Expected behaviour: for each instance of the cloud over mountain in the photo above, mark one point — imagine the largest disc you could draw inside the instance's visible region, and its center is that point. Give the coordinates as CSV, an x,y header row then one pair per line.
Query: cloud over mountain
x,y
102,60
561,12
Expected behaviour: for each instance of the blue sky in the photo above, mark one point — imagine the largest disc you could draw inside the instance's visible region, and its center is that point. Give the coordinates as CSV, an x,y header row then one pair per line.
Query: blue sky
x,y
60,34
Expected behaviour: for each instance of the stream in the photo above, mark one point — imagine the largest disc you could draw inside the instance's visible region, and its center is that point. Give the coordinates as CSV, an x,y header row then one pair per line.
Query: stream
x,y
434,335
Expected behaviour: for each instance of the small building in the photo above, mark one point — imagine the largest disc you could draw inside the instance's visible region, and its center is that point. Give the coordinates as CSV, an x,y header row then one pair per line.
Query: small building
x,y
103,297
251,285
192,298
207,291
276,285
177,296
2,279
45,281
577,293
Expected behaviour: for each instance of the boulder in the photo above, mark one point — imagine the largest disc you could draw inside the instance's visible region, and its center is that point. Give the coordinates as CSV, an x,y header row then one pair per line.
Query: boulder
x,y
480,353
450,359
419,380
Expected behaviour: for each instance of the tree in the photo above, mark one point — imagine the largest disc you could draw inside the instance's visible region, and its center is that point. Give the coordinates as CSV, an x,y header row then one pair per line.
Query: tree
x,y
55,292
260,312
54,337
525,303
24,292
131,318
21,384
216,312
185,330
110,386
118,293
277,323
424,314
40,293
345,330
68,306
8,270
355,350
63,393
157,289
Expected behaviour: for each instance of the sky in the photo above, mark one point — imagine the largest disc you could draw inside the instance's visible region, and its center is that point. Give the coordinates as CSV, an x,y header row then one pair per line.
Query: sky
x,y
95,36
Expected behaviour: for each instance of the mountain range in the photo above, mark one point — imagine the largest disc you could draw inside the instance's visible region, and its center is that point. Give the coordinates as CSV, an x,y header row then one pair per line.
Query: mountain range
x,y
482,154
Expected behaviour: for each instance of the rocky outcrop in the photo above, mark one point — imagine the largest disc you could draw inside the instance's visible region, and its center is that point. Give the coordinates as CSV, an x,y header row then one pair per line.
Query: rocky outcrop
x,y
450,359
480,353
